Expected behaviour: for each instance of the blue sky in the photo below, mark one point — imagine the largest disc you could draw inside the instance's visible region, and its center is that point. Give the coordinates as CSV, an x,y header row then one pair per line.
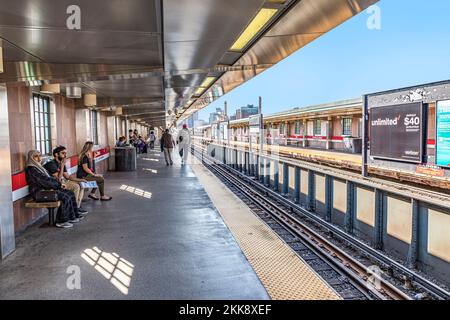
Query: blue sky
x,y
412,47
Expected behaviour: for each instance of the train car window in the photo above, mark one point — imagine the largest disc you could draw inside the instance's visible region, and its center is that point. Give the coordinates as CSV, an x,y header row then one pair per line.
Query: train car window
x,y
41,124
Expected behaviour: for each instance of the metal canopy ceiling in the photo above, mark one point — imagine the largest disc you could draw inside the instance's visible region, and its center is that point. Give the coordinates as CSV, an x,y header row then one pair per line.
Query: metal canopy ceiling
x,y
151,56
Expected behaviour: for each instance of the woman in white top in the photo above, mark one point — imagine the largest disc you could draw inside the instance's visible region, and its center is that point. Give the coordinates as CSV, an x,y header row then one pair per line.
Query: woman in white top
x,y
184,142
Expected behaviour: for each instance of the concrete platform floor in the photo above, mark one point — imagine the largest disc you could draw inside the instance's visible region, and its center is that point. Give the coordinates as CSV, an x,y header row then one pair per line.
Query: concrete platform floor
x,y
159,238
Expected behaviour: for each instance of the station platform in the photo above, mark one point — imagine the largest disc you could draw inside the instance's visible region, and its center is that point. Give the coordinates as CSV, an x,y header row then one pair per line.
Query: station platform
x,y
163,236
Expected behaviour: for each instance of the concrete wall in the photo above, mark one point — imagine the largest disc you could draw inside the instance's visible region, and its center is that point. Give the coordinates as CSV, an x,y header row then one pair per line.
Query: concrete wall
x,y
19,126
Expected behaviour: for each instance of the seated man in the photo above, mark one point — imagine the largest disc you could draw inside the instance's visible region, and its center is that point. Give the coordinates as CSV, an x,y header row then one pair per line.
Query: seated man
x,y
57,168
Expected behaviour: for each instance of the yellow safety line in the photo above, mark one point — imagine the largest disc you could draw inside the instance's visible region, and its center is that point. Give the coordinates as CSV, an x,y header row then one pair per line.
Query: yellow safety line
x,y
282,272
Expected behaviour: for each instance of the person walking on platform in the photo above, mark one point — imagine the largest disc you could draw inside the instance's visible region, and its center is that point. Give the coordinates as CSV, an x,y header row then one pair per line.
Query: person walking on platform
x,y
184,142
168,144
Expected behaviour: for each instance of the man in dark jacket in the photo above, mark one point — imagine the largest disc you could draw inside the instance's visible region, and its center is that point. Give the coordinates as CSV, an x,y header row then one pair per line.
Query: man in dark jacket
x,y
168,144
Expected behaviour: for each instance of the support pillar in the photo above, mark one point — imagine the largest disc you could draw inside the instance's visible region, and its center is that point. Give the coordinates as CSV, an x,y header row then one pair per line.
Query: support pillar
x,y
252,164
349,215
285,190
267,173
286,132
305,132
7,232
262,169
246,169
276,176
365,137
297,185
257,166
311,203
378,229
241,161
414,246
329,133
328,197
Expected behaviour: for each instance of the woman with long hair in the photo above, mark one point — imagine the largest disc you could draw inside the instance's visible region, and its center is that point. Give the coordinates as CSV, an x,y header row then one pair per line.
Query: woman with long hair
x,y
39,179
86,170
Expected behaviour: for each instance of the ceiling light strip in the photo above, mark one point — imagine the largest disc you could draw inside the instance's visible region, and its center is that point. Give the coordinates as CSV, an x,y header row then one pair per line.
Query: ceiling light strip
x,y
255,26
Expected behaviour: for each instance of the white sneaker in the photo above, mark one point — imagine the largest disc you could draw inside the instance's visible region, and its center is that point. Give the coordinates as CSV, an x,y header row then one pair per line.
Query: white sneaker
x,y
82,211
75,220
64,225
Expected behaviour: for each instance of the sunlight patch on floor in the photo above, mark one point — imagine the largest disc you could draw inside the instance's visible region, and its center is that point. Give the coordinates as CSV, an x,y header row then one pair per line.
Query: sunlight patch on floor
x,y
111,266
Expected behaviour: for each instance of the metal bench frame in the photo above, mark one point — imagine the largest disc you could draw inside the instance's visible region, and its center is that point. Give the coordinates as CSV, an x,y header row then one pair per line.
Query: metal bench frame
x,y
50,206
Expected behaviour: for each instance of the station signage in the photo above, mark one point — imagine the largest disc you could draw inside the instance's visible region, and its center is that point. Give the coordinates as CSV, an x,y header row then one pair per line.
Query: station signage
x,y
396,132
430,170
254,123
443,133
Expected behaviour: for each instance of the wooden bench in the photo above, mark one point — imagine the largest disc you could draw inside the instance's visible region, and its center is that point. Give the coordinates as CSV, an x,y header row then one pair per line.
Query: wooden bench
x,y
51,206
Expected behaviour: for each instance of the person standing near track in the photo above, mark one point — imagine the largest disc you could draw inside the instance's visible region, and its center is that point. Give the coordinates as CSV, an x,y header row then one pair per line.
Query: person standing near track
x,y
184,142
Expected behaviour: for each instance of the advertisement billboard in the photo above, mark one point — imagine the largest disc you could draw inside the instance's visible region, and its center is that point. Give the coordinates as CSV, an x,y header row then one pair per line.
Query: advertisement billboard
x,y
396,132
443,133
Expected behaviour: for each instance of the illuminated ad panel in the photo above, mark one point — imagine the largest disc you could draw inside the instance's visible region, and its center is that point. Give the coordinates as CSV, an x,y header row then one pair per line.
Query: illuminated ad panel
x,y
443,133
396,132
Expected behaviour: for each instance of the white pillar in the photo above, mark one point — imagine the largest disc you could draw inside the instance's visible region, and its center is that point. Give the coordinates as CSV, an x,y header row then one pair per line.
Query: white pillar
x,y
329,135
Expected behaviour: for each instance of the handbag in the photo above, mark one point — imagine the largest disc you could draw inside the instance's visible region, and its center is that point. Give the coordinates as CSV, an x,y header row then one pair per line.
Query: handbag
x,y
181,152
46,196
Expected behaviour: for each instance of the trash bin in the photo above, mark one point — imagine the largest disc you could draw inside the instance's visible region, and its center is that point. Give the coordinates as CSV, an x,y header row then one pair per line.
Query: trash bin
x,y
356,145
112,160
125,158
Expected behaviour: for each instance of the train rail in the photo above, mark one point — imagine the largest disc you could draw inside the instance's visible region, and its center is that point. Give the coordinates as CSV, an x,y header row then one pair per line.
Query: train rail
x,y
327,242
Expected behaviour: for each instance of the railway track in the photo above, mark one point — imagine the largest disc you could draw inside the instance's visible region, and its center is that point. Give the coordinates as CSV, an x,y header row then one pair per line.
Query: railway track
x,y
315,241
